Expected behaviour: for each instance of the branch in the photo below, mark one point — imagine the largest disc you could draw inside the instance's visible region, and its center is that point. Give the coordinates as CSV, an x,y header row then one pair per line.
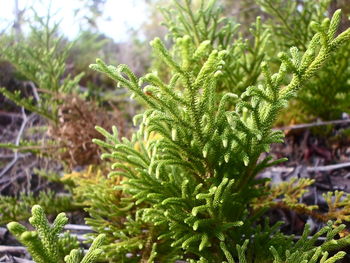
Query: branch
x,y
77,227
314,124
12,249
19,135
325,168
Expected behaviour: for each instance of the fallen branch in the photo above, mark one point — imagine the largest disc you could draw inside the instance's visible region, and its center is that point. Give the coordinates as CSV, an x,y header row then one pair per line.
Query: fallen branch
x,y
12,259
35,91
18,139
21,260
314,124
19,249
324,168
9,156
77,227
10,114
12,249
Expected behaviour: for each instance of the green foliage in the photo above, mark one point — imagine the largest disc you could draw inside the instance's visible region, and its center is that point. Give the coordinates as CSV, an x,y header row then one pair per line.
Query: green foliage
x,y
286,194
47,246
338,206
290,20
83,50
305,250
326,95
18,208
114,215
40,58
208,29
191,168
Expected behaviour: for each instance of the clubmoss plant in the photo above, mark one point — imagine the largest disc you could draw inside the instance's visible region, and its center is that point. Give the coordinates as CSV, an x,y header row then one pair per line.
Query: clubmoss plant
x,y
186,185
194,175
47,246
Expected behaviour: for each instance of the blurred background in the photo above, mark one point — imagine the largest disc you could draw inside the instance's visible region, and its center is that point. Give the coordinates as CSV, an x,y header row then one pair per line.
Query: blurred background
x,y
112,18
123,26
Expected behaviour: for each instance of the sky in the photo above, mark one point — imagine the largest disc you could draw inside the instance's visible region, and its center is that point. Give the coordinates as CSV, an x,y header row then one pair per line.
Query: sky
x,y
118,16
